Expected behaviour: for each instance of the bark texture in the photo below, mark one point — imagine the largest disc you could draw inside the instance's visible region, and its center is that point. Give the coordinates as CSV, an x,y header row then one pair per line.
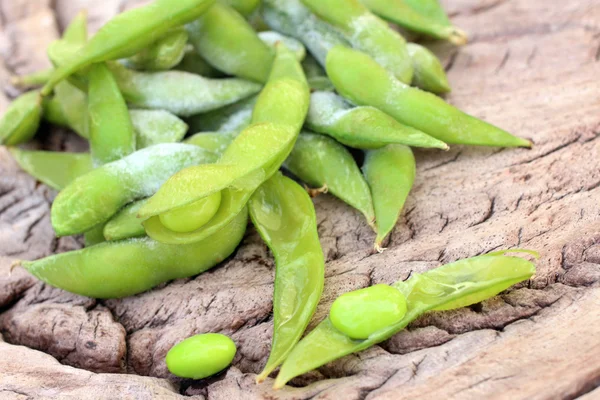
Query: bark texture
x,y
531,68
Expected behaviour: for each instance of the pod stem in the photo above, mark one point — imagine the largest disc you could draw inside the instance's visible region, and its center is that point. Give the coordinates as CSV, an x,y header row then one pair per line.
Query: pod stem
x,y
457,36
316,191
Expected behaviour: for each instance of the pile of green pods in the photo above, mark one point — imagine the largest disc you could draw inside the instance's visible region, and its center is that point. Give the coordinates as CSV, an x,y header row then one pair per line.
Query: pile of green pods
x,y
193,107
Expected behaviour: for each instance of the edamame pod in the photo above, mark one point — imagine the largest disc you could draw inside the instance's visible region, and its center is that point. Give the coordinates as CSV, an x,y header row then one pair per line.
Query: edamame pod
x,y
431,9
111,131
244,7
234,117
240,52
362,127
284,215
429,73
276,120
55,169
119,269
125,224
164,54
21,120
179,92
403,13
194,63
94,197
290,17
124,35
390,173
367,33
349,70
201,356
271,38
38,78
156,126
74,105
53,112
217,142
453,285
322,162
315,75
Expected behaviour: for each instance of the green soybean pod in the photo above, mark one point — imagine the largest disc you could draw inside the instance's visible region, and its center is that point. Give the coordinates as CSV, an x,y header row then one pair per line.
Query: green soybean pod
x,y
390,173
431,9
194,63
429,73
55,169
453,285
271,38
164,54
124,35
362,127
322,162
111,131
21,120
408,16
244,7
53,112
233,117
156,126
181,93
125,268
217,142
315,75
367,33
34,79
292,18
74,105
201,356
360,313
240,52
349,70
125,224
94,197
284,215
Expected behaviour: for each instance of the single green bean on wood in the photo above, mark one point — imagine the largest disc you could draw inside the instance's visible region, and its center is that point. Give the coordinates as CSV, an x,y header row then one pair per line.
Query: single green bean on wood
x,y
349,70
251,158
21,120
164,54
362,127
367,33
451,286
284,215
240,52
429,73
179,92
128,33
390,173
324,163
94,197
125,268
111,132
403,14
201,356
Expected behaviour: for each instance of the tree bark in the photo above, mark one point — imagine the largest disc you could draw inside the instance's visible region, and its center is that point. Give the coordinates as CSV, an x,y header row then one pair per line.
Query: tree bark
x,y
530,67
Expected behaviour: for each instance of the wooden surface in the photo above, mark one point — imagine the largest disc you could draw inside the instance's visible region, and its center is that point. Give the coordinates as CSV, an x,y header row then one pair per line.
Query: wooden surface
x,y
531,68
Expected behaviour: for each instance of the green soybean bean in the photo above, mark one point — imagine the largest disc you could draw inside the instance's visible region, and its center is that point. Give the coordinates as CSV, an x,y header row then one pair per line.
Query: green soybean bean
x,y
271,38
367,33
362,127
291,18
429,73
179,92
124,35
403,14
244,7
349,70
55,169
119,269
164,54
125,224
240,52
390,173
277,117
201,356
37,78
234,117
322,162
156,126
453,285
111,131
361,313
193,216
21,120
94,197
284,215
217,142
194,63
